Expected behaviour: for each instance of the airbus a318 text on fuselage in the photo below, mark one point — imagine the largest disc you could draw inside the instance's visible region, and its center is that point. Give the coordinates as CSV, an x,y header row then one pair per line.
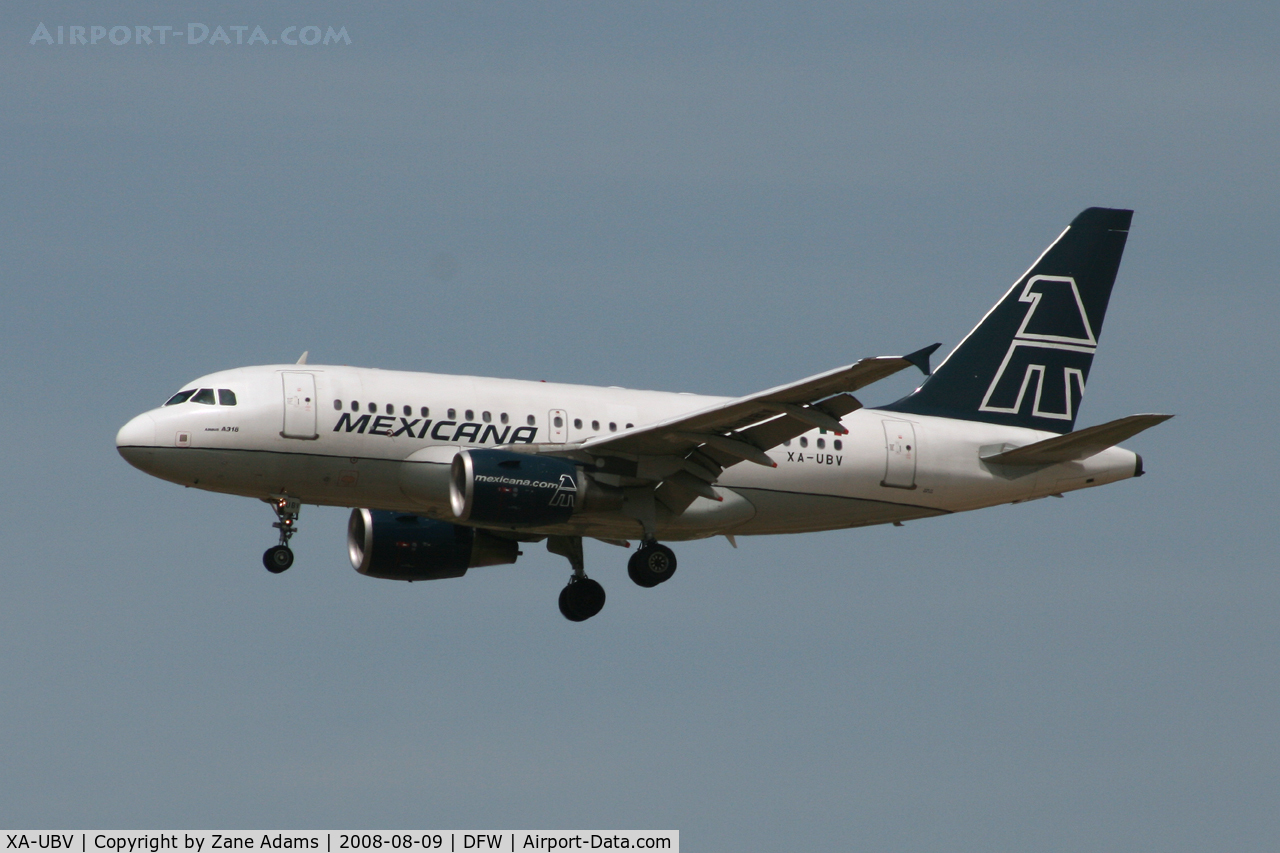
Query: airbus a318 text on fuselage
x,y
447,473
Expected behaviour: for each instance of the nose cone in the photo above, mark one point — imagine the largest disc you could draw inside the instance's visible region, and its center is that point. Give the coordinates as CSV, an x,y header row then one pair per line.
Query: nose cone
x,y
140,432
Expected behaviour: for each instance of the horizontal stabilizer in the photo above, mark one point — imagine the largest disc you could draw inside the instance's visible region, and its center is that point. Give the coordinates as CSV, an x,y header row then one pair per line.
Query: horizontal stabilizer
x,y
1080,444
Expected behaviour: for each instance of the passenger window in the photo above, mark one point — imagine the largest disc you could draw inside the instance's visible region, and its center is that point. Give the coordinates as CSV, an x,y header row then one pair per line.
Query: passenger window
x,y
424,411
226,397
453,413
531,420
204,395
408,410
486,417
577,423
822,442
355,406
629,426
595,425
180,397
391,410
613,427
471,416
558,421
503,417
786,443
337,405
373,408
804,442
838,444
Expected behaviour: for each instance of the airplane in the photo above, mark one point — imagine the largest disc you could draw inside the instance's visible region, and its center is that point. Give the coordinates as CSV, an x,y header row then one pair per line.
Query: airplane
x,y
450,473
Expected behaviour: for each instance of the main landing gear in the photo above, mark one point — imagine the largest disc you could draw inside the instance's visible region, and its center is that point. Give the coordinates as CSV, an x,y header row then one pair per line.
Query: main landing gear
x,y
583,598
280,557
651,564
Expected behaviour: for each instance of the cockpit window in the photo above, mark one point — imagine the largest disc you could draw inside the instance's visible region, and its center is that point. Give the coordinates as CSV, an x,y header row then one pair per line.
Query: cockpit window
x,y
226,397
204,395
181,397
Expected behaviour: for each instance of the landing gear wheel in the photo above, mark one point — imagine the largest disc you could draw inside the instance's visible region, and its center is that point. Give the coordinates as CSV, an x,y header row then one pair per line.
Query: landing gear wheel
x,y
651,565
277,559
581,599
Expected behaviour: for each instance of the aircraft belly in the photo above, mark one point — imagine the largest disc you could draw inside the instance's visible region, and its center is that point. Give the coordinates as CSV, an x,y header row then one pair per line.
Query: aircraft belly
x,y
326,480
234,471
423,479
703,518
790,512
706,517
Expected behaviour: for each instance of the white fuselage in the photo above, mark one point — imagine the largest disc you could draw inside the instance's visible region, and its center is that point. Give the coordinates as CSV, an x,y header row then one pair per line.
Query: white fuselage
x,y
382,439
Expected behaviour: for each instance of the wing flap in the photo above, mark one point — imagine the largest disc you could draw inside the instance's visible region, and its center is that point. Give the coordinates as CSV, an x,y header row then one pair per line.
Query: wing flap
x,y
773,432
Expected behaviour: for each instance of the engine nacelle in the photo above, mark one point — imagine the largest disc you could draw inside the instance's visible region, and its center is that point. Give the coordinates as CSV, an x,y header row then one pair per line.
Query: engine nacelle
x,y
514,489
402,547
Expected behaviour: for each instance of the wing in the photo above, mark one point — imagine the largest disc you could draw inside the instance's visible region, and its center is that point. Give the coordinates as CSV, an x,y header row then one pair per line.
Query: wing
x,y
683,456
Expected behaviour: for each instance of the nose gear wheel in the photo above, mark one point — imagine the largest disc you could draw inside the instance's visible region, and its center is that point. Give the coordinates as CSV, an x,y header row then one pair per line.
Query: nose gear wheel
x,y
280,557
277,559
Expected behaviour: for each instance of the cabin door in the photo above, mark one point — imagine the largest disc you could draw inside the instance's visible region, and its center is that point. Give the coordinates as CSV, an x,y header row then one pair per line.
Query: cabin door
x,y
299,406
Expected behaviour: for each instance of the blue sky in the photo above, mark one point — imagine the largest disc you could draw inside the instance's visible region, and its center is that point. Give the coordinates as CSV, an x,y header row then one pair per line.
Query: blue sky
x,y
713,199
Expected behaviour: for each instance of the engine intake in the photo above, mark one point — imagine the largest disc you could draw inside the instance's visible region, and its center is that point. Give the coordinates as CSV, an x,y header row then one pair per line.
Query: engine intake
x,y
403,547
514,489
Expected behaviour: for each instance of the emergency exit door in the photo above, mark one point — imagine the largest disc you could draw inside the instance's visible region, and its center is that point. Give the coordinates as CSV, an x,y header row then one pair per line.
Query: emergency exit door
x,y
900,455
558,431
299,406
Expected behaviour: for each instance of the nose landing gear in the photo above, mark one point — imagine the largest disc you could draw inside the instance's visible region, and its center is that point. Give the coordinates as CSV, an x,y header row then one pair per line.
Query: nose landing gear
x,y
277,558
280,557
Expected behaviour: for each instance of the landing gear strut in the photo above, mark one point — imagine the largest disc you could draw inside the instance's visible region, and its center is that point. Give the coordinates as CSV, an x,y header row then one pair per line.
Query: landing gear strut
x,y
582,598
279,557
651,564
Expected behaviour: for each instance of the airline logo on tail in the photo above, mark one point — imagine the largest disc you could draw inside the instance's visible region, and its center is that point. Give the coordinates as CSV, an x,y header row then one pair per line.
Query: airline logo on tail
x,y
1052,351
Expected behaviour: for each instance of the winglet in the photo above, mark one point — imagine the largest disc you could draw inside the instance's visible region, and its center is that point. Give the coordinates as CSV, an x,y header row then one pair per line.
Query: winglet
x,y
302,359
920,358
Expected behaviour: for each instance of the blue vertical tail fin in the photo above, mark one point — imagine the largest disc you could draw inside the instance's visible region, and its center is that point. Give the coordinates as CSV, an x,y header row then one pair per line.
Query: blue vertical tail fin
x,y
1027,362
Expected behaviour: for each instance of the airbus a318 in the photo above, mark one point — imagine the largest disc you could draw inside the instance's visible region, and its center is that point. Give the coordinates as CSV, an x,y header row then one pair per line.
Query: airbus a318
x,y
449,473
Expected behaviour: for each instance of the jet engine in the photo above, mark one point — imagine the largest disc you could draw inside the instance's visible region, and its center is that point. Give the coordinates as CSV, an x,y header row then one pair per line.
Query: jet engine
x,y
402,547
521,490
